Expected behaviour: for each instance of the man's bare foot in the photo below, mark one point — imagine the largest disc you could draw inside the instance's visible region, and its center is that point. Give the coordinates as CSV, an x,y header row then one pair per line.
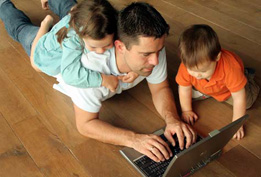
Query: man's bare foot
x,y
47,22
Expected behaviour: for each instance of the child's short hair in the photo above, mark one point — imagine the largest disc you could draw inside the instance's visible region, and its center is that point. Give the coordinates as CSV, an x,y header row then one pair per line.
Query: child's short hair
x,y
197,44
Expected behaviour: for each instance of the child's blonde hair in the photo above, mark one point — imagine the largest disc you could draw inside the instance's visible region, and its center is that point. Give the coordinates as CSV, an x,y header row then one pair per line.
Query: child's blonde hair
x,y
92,18
197,44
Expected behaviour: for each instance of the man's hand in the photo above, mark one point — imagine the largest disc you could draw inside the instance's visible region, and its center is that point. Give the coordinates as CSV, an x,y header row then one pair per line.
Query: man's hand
x,y
182,130
110,82
45,4
240,133
189,116
152,146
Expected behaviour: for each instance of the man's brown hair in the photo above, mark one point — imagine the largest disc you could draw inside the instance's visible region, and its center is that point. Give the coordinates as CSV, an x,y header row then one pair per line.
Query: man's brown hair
x,y
140,19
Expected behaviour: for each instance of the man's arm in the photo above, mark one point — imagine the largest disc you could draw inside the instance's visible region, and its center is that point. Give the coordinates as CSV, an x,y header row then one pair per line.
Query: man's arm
x,y
89,125
164,102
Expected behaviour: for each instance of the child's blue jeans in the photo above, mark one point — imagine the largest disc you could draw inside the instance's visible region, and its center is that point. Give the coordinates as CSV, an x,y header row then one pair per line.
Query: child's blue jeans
x,y
20,27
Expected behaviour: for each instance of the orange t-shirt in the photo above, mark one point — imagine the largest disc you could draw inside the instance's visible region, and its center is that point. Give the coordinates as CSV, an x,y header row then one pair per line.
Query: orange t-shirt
x,y
228,77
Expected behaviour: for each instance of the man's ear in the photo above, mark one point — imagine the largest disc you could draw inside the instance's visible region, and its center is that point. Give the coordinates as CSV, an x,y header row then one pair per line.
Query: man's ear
x,y
119,45
218,56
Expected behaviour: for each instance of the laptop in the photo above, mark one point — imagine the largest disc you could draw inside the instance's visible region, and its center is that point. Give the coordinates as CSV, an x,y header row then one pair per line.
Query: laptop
x,y
184,162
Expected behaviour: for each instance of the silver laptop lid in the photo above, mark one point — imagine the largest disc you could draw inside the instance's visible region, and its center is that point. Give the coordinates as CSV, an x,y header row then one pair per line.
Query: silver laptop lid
x,y
204,151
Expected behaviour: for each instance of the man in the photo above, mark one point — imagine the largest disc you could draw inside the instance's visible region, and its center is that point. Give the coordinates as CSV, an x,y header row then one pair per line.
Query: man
x,y
140,48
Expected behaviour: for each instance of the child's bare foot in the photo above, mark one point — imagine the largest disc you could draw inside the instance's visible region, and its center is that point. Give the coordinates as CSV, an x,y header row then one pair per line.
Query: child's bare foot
x,y
47,22
45,4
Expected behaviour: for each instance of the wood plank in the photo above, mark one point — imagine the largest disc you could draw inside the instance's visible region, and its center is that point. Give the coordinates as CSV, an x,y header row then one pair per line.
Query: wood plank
x,y
143,96
14,159
213,169
219,19
255,112
252,7
241,162
13,104
252,140
39,141
50,154
105,160
55,108
138,116
235,11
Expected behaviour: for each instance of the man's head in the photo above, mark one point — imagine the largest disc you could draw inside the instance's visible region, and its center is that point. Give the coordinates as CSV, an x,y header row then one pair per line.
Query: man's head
x,y
140,19
141,32
199,50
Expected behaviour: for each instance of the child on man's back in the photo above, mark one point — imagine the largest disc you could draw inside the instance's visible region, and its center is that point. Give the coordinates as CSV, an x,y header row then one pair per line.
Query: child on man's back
x,y
90,26
214,72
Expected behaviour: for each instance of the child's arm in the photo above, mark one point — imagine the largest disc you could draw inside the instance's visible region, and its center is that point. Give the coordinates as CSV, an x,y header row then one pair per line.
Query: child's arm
x,y
185,97
129,78
44,28
239,109
110,81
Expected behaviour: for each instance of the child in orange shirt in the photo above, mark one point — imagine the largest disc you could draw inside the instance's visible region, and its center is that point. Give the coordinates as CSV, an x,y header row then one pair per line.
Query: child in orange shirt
x,y
213,72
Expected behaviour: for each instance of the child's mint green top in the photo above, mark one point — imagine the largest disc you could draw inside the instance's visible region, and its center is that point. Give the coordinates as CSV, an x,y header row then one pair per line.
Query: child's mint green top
x,y
52,58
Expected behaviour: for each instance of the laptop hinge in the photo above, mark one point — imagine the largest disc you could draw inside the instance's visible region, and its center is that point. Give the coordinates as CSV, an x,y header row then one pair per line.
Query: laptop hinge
x,y
213,133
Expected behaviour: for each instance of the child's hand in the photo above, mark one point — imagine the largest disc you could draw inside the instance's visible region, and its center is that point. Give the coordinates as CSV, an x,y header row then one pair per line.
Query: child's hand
x,y
129,78
110,82
239,134
189,116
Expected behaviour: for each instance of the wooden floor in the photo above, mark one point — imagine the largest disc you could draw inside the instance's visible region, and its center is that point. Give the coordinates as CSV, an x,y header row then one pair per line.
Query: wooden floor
x,y
38,136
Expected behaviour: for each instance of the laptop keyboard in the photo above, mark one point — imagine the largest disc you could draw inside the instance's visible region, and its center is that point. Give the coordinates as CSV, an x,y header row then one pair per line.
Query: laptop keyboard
x,y
157,169
152,168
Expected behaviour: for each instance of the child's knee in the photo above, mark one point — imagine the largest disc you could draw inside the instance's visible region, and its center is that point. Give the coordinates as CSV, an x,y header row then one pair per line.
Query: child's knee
x,y
34,66
252,92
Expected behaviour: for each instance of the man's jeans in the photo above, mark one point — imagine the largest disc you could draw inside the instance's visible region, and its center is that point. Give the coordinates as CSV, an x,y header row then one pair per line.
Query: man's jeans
x,y
20,27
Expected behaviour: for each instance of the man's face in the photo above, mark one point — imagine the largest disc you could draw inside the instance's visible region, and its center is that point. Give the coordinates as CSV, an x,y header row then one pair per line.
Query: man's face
x,y
141,58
